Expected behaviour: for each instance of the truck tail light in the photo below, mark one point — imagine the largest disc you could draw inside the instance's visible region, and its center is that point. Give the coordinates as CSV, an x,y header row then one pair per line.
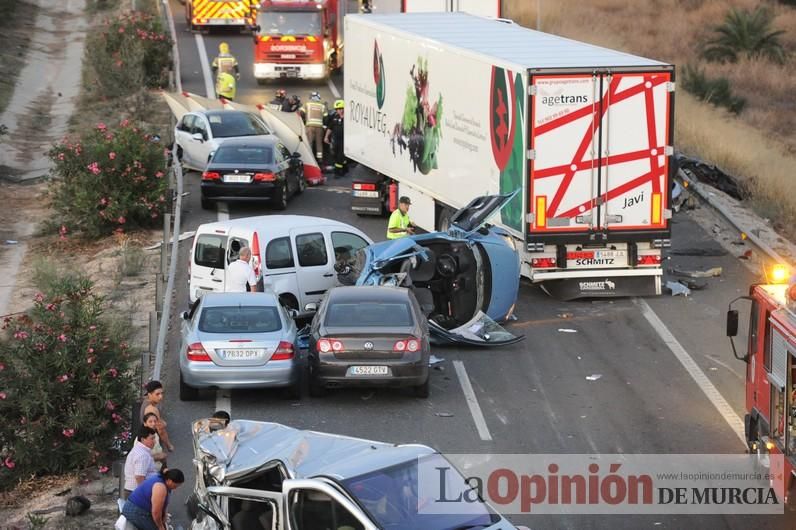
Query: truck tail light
x,y
329,344
284,352
410,345
264,177
196,352
366,186
211,175
543,263
649,259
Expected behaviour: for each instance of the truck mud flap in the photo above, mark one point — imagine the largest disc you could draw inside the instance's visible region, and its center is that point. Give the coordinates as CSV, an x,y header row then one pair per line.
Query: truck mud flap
x,y
599,287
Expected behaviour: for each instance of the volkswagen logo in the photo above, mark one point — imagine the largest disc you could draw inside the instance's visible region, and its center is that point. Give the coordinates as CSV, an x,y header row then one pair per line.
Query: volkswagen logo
x,y
368,345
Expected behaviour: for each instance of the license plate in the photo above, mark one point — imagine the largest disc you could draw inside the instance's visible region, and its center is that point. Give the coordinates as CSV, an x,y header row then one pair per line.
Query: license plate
x,y
291,73
240,354
368,370
367,194
288,56
237,178
609,254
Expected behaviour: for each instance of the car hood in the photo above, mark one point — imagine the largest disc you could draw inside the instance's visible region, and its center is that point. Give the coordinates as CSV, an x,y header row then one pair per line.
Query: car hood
x,y
474,215
387,251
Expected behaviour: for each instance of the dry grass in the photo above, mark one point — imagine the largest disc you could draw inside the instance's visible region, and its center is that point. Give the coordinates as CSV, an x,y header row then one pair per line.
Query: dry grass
x,y
760,144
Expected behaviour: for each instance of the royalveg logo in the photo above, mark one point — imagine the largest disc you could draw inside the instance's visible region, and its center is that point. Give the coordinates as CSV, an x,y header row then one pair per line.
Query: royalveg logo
x,y
378,74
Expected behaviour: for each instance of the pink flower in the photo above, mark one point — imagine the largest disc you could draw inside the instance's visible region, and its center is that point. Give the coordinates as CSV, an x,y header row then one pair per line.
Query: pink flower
x,y
68,432
61,156
2,367
51,307
92,327
103,469
62,337
3,395
116,418
109,406
124,123
39,297
90,359
94,168
101,126
121,220
62,378
21,335
113,372
9,463
112,155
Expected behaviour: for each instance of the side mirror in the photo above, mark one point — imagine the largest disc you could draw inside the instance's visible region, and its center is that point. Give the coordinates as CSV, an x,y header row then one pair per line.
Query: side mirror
x,y
293,313
186,315
312,307
199,137
732,323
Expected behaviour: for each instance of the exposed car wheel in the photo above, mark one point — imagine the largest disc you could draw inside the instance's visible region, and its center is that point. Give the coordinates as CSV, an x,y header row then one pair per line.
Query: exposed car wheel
x,y
186,392
423,391
317,388
444,220
280,199
207,204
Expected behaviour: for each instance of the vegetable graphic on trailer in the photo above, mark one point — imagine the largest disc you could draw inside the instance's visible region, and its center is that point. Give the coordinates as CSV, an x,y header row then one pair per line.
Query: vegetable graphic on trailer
x,y
420,130
616,177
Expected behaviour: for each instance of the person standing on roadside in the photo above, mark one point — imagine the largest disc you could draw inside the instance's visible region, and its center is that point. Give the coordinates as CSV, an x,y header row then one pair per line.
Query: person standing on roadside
x,y
240,274
312,113
152,401
139,464
400,225
146,507
158,454
334,137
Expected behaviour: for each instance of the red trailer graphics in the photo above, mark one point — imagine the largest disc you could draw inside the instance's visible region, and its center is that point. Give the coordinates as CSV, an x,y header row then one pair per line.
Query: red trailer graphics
x,y
597,167
297,38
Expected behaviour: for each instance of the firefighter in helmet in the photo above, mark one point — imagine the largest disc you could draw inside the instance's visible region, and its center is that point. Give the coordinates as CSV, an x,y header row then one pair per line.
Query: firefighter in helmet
x,y
227,73
279,99
312,113
334,137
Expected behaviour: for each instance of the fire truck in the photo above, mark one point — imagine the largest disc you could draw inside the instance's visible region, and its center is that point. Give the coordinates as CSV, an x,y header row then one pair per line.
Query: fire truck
x,y
770,420
205,13
298,38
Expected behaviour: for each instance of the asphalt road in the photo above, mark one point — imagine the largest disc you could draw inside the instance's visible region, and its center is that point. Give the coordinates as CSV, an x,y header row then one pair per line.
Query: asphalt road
x,y
534,397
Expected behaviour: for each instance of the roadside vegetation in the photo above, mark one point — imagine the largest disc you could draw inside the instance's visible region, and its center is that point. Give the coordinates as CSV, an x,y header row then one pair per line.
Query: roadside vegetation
x,y
66,382
736,78
17,21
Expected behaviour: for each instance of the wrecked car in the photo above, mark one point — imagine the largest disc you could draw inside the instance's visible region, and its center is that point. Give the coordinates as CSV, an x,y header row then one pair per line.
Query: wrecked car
x,y
259,475
466,278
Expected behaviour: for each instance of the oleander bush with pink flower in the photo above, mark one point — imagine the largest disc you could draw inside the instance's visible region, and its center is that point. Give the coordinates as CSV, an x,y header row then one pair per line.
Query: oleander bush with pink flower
x,y
108,181
66,384
132,51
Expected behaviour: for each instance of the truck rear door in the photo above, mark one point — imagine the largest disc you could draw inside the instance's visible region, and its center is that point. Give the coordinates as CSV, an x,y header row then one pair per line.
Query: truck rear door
x,y
600,147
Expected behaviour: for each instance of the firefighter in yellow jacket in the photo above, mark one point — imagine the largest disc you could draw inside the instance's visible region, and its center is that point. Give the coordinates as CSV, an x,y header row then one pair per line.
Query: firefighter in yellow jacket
x,y
226,70
313,113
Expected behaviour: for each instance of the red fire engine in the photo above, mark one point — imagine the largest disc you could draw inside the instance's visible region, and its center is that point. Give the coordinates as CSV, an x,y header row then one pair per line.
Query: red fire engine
x,y
770,419
298,38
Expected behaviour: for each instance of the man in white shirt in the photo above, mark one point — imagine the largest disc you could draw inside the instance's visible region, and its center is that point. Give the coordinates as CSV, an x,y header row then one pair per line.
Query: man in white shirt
x,y
240,273
139,464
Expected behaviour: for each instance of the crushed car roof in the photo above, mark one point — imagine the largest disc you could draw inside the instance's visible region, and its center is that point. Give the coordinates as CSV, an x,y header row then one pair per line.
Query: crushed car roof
x,y
247,445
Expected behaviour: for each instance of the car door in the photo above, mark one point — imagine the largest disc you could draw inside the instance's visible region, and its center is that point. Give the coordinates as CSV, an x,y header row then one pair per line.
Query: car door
x,y
232,508
237,240
280,270
315,273
200,149
315,504
207,263
183,135
345,245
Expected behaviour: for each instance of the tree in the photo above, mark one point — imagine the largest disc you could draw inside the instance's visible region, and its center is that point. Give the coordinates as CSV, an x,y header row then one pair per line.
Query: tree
x,y
746,33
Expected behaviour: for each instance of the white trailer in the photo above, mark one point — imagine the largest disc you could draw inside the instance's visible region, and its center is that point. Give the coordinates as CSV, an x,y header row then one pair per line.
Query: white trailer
x,y
484,8
451,106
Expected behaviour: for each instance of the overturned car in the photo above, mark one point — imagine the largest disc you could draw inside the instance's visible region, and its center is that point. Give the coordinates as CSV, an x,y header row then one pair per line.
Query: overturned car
x,y
257,475
466,279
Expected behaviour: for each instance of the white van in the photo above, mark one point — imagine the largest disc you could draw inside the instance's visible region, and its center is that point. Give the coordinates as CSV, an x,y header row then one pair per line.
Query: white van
x,y
296,254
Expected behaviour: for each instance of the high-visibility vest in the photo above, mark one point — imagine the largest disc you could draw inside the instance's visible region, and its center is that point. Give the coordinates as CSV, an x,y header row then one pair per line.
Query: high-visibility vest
x,y
314,111
225,63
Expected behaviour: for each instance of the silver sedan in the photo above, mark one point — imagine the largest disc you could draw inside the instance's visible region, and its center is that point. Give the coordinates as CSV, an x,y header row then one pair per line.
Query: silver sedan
x,y
238,340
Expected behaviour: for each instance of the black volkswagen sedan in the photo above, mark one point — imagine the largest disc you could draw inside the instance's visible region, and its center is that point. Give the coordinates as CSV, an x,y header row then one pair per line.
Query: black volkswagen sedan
x,y
369,336
253,169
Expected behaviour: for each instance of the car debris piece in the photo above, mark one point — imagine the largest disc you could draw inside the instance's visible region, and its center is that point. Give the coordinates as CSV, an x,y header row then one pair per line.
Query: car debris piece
x,y
693,284
567,330
594,377
183,237
678,288
564,315
710,273
433,359
698,251
444,414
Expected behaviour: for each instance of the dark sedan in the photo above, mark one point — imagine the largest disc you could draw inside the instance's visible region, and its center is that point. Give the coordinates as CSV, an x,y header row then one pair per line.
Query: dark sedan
x,y
369,336
253,169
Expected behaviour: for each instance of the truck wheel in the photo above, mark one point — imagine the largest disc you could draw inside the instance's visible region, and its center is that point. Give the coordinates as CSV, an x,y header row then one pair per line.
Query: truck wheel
x,y
444,219
187,393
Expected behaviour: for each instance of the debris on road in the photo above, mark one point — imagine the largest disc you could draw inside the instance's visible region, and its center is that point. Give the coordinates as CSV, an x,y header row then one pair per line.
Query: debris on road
x,y
678,288
698,251
433,359
746,255
444,414
694,285
710,273
567,330
565,315
593,377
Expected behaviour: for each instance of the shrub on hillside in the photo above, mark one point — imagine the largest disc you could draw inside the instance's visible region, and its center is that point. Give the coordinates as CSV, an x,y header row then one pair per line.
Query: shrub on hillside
x,y
716,91
108,181
746,33
66,386
133,51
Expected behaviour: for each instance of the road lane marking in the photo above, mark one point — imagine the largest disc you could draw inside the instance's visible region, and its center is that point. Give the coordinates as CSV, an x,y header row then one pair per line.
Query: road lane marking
x,y
335,92
693,369
206,74
224,400
472,401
